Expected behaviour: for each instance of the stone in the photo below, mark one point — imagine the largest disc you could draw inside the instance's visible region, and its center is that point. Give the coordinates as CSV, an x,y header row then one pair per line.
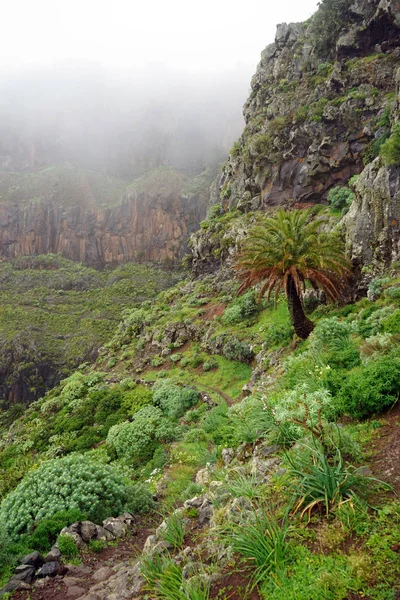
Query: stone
x,y
24,573
228,454
51,569
263,450
88,531
244,451
79,571
53,555
203,476
34,558
70,581
260,467
13,585
153,546
116,526
125,584
102,574
75,591
206,512
194,502
72,532
103,534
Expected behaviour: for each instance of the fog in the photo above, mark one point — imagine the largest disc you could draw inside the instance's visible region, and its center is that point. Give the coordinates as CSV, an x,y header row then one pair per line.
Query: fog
x,y
126,86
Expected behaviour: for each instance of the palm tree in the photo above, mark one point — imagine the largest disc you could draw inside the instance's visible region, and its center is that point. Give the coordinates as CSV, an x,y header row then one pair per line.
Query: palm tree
x,y
286,251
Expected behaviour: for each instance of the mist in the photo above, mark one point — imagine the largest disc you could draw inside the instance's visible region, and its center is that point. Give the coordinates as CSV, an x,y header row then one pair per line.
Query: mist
x,y
123,122
125,87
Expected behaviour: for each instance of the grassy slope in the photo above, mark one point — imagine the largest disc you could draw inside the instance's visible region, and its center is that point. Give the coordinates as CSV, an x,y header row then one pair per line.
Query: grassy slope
x,y
57,313
42,432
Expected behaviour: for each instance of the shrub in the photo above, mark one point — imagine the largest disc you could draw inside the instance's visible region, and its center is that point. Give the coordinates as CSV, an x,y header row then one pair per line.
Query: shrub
x,y
46,531
174,400
391,324
234,349
278,334
67,546
96,545
390,149
333,333
249,420
319,481
340,197
370,389
139,438
196,435
72,482
209,364
345,358
244,308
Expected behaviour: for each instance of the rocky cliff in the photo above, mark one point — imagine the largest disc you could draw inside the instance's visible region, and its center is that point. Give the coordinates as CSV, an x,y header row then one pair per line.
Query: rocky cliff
x,y
323,102
147,224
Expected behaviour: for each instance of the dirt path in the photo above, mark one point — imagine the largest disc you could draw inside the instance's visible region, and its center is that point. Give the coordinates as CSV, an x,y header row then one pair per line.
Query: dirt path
x,y
227,398
109,559
385,462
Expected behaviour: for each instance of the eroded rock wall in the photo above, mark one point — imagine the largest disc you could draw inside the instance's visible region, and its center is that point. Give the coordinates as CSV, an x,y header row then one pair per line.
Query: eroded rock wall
x,y
142,227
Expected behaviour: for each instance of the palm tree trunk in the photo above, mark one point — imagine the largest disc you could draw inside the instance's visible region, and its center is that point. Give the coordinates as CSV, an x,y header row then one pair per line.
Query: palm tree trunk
x,y
301,323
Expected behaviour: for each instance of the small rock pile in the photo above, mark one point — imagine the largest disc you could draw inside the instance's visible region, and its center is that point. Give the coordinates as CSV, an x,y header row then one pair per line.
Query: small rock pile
x,y
35,566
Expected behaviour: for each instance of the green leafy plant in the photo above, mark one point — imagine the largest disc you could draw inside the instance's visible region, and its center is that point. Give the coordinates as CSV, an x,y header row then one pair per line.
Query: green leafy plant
x,y
261,543
73,482
174,400
174,531
138,439
390,149
370,389
67,546
321,481
96,545
340,197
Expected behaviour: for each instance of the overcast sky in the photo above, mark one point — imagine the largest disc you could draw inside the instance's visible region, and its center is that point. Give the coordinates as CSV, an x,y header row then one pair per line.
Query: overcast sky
x,y
183,34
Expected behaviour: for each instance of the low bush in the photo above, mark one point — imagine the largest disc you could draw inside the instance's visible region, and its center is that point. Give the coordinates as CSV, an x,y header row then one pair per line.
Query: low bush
x,y
244,308
390,149
46,531
370,389
72,482
234,349
67,546
174,530
340,197
174,400
261,543
138,439
320,481
277,334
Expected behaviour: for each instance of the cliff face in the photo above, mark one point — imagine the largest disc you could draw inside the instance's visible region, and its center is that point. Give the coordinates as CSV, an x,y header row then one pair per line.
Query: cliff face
x,y
143,227
324,100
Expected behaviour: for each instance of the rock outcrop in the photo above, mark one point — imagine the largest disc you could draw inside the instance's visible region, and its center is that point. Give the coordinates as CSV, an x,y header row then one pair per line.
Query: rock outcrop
x,y
372,224
324,99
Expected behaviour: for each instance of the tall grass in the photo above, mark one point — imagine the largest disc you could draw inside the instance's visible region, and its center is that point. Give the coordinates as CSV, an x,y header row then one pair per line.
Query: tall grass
x,y
174,532
261,542
323,481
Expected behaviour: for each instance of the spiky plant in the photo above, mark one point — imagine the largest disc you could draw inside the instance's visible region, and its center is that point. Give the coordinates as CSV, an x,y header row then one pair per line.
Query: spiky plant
x,y
286,251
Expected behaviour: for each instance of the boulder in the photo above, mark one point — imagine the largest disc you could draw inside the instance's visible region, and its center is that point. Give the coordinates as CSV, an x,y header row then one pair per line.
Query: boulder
x,y
51,569
228,454
24,573
88,531
53,555
13,585
34,558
